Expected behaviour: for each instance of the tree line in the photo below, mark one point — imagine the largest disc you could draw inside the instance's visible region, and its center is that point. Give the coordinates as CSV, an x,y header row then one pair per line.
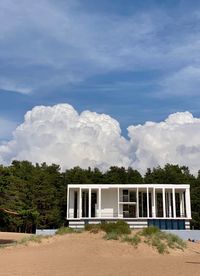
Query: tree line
x,y
35,195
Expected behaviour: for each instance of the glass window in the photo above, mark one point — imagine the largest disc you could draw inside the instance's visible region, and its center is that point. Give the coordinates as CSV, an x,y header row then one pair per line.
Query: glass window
x,y
132,196
125,195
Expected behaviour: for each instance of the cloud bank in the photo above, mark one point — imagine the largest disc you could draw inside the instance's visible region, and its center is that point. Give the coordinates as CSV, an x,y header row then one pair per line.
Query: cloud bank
x,y
175,141
58,134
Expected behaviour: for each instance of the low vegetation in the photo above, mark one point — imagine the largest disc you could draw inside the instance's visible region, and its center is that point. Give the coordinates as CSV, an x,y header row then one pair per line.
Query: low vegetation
x,y
162,241
25,241
111,236
133,240
93,228
65,230
153,236
119,228
32,238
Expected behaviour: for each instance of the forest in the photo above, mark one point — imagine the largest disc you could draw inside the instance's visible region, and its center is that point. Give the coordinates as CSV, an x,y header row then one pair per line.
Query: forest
x,y
34,196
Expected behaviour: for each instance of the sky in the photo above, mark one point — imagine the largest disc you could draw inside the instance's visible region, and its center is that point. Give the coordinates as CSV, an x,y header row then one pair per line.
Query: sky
x,y
132,62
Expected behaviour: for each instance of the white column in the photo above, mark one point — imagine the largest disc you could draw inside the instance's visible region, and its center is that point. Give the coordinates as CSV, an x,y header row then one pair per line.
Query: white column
x,y
67,203
174,202
137,195
154,203
188,203
142,203
183,204
164,204
118,202
147,202
80,203
99,205
170,204
167,203
89,203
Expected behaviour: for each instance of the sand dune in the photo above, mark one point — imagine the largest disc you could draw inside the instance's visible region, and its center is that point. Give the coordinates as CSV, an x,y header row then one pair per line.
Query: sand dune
x,y
88,254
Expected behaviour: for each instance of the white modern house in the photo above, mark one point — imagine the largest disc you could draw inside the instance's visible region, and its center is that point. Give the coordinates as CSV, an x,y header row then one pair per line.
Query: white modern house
x,y
140,205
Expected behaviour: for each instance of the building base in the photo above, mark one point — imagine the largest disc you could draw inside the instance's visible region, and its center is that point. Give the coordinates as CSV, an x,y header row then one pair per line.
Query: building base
x,y
165,224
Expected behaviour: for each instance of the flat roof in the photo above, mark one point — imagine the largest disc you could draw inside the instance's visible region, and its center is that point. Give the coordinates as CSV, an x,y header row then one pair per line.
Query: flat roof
x,y
106,186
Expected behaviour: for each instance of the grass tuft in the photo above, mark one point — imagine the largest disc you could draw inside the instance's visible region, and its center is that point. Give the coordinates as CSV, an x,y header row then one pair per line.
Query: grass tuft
x,y
162,241
32,238
2,246
149,231
159,245
174,241
65,230
111,236
135,240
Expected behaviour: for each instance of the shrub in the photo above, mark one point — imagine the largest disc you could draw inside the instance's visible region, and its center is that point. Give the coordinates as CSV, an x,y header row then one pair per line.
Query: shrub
x,y
149,231
93,228
111,236
135,240
120,227
64,230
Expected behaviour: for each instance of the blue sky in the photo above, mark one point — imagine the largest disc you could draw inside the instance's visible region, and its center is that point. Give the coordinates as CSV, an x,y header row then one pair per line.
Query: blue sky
x,y
134,60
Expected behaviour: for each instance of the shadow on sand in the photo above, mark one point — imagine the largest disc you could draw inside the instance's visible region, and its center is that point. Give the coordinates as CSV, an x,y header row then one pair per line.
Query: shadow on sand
x,y
6,241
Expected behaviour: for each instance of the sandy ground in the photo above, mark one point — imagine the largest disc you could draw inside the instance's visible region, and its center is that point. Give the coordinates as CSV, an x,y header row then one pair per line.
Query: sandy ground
x,y
88,254
6,237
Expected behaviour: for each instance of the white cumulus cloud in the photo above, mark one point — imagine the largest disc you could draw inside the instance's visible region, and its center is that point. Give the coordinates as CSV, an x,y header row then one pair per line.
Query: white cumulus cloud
x,y
175,141
59,134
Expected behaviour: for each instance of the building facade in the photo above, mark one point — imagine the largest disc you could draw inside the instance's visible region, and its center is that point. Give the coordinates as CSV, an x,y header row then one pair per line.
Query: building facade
x,y
140,205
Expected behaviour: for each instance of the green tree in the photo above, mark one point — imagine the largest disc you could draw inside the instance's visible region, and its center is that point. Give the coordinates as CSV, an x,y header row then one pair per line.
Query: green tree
x,y
134,177
115,175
